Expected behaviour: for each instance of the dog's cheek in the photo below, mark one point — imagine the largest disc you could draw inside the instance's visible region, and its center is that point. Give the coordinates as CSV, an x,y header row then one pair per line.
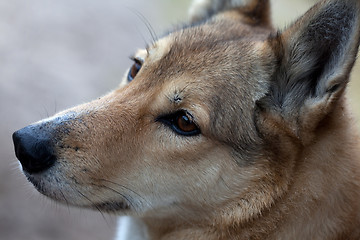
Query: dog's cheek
x,y
177,165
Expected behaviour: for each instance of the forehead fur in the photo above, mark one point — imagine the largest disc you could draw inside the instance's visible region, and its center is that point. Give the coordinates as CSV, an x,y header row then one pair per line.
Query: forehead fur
x,y
196,48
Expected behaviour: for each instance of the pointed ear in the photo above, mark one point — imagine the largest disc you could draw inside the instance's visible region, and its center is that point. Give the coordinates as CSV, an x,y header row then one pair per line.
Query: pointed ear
x,y
315,56
257,11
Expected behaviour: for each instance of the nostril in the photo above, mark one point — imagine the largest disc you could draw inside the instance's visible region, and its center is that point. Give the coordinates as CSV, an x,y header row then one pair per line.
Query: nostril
x,y
33,149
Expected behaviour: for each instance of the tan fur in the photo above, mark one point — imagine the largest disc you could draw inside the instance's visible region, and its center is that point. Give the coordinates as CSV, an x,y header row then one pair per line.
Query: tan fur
x,y
278,153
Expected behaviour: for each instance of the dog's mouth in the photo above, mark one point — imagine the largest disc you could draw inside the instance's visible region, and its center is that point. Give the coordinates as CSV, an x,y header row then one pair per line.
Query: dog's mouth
x,y
111,206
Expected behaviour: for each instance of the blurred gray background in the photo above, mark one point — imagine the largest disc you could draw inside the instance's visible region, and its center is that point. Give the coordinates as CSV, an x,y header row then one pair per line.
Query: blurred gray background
x,y
57,54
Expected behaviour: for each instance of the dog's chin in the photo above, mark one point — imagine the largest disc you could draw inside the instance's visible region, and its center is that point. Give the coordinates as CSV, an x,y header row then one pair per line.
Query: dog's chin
x,y
58,194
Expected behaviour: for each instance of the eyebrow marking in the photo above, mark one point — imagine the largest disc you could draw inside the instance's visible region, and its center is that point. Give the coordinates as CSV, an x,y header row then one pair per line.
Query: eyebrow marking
x,y
178,95
177,99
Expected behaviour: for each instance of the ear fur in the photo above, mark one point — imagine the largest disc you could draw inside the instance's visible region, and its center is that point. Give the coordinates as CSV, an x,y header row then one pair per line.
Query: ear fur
x,y
256,10
315,57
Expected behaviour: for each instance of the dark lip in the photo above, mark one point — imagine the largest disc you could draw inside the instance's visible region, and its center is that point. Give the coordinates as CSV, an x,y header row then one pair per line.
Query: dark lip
x,y
111,206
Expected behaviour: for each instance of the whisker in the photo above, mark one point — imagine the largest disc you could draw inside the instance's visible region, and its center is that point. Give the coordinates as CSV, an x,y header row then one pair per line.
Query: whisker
x,y
91,203
142,36
65,199
122,195
55,103
46,111
40,114
14,164
122,186
146,23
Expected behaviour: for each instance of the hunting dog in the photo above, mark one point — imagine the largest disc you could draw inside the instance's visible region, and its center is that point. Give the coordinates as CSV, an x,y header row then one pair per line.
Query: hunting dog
x,y
225,129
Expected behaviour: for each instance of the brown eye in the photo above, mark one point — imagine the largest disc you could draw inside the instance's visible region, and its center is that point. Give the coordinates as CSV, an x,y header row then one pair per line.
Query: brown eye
x,y
180,122
135,68
185,124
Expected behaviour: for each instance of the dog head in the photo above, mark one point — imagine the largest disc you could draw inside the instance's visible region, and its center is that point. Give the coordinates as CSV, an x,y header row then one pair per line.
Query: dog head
x,y
213,114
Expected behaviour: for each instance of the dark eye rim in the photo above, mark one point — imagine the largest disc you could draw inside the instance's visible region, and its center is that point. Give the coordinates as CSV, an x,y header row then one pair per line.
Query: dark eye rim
x,y
170,120
138,64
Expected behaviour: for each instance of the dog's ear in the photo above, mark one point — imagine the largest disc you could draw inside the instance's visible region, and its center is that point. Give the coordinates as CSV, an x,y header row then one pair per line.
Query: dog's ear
x,y
315,56
258,11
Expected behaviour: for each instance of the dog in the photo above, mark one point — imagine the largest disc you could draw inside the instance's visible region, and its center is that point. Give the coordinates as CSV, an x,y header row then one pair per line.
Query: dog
x,y
225,128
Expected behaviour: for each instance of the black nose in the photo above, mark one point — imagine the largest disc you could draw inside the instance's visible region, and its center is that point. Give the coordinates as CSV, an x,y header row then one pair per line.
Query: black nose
x,y
33,148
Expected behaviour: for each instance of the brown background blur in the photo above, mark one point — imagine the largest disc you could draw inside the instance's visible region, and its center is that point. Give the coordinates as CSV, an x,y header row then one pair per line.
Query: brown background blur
x,y
56,54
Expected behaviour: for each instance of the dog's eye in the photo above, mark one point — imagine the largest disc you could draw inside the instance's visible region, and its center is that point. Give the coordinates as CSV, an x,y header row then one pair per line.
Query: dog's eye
x,y
185,124
135,68
181,122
